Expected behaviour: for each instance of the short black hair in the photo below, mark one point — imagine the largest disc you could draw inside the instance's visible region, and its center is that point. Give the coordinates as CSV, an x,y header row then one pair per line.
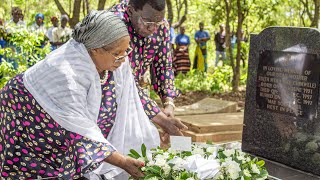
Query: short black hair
x,y
15,10
158,5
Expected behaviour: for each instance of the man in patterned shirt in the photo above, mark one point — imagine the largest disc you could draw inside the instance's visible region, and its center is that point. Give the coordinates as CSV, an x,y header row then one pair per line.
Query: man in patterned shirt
x,y
150,41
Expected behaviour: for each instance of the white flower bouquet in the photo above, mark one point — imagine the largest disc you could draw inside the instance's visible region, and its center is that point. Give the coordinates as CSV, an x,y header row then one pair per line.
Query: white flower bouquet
x,y
203,162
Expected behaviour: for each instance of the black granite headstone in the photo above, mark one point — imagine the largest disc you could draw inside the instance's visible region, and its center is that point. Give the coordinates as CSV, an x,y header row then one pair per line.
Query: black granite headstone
x,y
281,121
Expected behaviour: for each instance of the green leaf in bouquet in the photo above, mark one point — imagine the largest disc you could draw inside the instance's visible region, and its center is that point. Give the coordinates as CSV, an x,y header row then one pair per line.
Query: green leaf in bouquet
x,y
184,175
260,163
209,142
134,154
149,176
144,150
154,169
263,174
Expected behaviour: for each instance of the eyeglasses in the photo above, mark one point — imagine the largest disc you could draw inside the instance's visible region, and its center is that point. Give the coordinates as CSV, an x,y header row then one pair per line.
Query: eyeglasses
x,y
119,58
151,24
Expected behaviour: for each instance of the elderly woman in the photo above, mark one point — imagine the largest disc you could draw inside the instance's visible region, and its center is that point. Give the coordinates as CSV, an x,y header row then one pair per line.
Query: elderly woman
x,y
54,121
38,26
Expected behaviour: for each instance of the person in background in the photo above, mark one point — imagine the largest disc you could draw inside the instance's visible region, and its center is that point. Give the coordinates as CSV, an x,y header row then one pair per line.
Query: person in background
x,y
61,34
181,60
220,41
201,37
2,41
55,24
38,25
16,22
172,34
233,40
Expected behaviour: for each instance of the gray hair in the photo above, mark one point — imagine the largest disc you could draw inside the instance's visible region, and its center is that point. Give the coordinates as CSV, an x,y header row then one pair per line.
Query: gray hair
x,y
98,29
64,16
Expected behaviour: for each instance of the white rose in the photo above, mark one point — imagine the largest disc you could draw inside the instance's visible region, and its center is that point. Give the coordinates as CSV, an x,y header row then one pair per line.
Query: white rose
x,y
150,163
166,169
160,162
246,172
198,151
190,178
229,152
232,169
255,169
172,151
166,155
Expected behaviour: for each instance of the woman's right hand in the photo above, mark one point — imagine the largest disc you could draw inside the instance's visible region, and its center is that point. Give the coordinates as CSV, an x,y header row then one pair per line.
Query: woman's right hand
x,y
130,165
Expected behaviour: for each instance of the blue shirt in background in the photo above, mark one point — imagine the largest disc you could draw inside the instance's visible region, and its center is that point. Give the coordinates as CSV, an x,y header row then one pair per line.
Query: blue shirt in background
x,y
202,34
182,39
2,45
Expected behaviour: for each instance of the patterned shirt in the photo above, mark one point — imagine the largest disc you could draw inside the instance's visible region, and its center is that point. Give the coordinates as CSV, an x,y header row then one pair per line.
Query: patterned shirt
x,y
60,34
154,52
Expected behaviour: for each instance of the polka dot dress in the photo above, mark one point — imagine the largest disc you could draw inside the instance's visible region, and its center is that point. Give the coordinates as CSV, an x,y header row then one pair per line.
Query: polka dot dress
x,y
33,145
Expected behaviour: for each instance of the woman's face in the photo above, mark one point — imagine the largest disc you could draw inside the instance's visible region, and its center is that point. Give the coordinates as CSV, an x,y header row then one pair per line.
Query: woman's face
x,y
110,59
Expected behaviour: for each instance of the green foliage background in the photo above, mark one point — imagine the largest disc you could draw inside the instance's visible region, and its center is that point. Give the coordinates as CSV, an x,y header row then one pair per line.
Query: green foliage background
x,y
261,14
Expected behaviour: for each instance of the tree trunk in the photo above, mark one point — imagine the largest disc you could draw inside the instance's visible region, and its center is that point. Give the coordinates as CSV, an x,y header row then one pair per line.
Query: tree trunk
x,y
236,74
170,11
101,4
87,6
76,13
61,9
315,20
84,7
228,38
184,17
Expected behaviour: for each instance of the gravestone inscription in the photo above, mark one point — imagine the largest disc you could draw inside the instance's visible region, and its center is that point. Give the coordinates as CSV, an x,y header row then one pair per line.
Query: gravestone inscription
x,y
281,121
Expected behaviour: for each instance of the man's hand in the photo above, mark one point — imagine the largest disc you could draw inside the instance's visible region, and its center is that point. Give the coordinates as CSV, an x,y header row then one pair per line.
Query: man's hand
x,y
169,111
170,125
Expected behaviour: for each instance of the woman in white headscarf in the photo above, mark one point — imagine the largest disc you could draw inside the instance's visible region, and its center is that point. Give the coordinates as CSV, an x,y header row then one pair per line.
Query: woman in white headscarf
x,y
54,123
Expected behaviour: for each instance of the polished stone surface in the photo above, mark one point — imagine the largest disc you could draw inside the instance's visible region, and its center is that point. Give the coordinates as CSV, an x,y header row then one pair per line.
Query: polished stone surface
x,y
281,121
279,171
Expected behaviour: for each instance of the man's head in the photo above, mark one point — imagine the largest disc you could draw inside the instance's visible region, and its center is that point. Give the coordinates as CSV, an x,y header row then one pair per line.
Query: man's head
x,y
221,27
39,19
201,26
64,20
54,21
182,30
146,15
16,13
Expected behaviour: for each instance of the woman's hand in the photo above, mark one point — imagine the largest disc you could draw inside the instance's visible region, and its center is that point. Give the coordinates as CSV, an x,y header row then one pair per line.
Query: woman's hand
x,y
130,165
